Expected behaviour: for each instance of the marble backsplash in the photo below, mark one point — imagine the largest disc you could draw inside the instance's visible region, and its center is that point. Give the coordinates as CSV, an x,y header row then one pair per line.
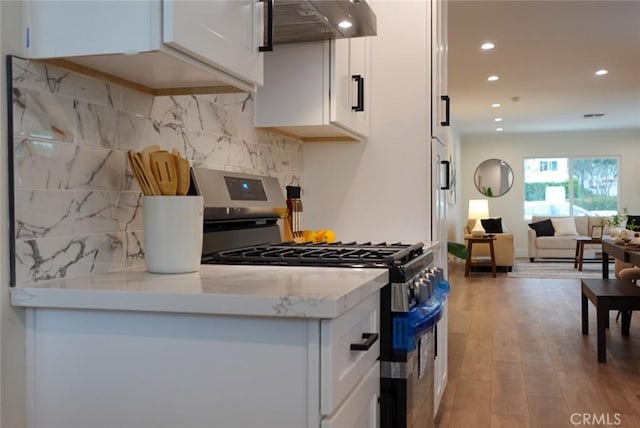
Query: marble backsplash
x,y
78,209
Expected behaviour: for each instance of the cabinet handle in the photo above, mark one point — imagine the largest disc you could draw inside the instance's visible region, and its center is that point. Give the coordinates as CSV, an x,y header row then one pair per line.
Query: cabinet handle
x,y
368,340
447,172
435,341
360,106
268,46
447,104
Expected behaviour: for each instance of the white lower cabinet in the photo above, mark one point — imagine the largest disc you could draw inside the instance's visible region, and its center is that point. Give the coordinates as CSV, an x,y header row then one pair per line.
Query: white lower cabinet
x,y
105,369
341,368
360,410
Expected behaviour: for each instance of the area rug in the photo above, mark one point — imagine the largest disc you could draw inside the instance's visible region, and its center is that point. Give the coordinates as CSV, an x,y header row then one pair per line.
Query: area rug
x,y
555,269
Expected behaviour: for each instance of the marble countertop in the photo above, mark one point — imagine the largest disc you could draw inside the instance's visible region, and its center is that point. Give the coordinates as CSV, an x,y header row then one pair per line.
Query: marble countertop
x,y
272,291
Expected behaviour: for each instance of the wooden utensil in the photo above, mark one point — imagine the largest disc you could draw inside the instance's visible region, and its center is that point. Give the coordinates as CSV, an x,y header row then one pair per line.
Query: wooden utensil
x,y
145,154
163,168
184,175
145,175
138,174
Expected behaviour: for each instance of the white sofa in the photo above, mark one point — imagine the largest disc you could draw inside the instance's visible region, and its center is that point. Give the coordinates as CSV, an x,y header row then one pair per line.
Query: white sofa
x,y
563,246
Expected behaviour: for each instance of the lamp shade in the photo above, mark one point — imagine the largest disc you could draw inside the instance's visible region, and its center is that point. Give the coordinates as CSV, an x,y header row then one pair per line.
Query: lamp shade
x,y
478,208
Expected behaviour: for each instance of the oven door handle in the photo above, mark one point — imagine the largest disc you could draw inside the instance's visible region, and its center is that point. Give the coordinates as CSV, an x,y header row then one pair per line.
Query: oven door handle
x,y
368,340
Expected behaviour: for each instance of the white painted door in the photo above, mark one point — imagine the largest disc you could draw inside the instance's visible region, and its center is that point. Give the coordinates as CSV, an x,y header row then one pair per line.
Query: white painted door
x,y
440,177
440,101
226,34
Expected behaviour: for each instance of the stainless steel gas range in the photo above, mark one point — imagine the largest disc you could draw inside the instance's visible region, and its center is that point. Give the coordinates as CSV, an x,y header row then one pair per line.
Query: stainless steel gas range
x,y
240,227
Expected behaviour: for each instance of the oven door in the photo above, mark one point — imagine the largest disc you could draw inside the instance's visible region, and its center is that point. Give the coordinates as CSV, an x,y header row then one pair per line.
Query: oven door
x,y
407,382
406,388
420,383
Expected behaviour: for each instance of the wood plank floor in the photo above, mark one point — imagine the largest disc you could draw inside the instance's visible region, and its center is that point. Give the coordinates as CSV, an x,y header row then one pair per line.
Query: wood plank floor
x,y
517,358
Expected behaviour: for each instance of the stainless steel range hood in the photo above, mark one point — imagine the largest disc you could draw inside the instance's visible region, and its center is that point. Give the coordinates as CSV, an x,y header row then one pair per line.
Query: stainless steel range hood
x,y
309,20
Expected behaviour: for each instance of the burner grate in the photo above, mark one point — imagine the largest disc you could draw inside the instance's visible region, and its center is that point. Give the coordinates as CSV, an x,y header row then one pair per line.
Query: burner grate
x,y
339,254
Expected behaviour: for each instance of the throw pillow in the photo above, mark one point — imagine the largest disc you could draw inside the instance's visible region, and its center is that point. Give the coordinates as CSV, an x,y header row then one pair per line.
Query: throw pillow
x,y
542,228
564,226
492,225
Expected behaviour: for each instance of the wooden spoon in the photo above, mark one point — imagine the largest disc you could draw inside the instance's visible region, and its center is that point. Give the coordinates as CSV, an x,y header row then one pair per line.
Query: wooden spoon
x,y
163,168
138,174
145,154
145,175
184,175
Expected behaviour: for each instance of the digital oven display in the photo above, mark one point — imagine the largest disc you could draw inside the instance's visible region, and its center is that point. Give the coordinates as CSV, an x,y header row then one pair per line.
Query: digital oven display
x,y
244,189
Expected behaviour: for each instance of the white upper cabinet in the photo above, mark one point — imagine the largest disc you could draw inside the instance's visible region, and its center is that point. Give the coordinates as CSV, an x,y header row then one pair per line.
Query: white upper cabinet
x,y
223,33
317,90
441,103
158,44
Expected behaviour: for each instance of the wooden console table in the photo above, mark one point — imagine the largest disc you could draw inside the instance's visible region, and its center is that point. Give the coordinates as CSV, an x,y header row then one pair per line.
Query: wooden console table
x,y
492,258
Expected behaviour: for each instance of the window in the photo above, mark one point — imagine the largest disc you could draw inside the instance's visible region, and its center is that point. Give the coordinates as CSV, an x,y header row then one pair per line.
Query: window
x,y
548,165
570,186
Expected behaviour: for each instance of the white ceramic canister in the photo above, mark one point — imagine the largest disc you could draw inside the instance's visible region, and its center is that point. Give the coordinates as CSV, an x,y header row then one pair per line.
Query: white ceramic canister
x,y
173,233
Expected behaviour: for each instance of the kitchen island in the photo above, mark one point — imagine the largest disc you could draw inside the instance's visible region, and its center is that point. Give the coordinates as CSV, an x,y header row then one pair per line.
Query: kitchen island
x,y
228,346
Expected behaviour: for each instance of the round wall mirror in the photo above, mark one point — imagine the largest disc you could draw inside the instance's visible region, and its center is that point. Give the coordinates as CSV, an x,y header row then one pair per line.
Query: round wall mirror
x,y
493,177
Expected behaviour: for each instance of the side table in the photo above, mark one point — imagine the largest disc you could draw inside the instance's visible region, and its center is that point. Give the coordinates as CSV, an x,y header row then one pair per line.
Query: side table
x,y
492,259
580,243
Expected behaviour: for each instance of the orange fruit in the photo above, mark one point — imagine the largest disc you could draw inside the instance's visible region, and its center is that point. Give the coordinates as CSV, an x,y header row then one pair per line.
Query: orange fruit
x,y
310,235
326,236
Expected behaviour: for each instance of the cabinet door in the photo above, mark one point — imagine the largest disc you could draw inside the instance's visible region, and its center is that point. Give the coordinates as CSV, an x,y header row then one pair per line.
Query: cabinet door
x,y
225,34
360,409
341,367
341,83
440,116
359,66
350,84
70,28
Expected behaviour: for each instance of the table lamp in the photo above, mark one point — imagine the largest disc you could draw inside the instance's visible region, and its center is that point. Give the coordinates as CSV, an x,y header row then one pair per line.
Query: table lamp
x,y
478,209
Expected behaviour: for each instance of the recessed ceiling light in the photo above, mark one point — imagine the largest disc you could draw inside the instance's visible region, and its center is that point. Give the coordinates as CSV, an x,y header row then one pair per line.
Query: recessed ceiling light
x,y
499,129
602,72
495,105
487,46
492,78
345,24
497,119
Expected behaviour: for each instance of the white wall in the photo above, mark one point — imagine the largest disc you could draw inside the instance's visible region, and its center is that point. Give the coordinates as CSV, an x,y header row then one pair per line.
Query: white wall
x,y
379,189
513,148
12,382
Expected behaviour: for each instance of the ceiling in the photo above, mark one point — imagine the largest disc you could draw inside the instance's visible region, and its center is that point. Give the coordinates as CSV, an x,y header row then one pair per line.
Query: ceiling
x,y
546,54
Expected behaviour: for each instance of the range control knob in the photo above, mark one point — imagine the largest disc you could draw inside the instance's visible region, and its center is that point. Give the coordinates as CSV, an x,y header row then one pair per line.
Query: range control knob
x,y
411,292
424,290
